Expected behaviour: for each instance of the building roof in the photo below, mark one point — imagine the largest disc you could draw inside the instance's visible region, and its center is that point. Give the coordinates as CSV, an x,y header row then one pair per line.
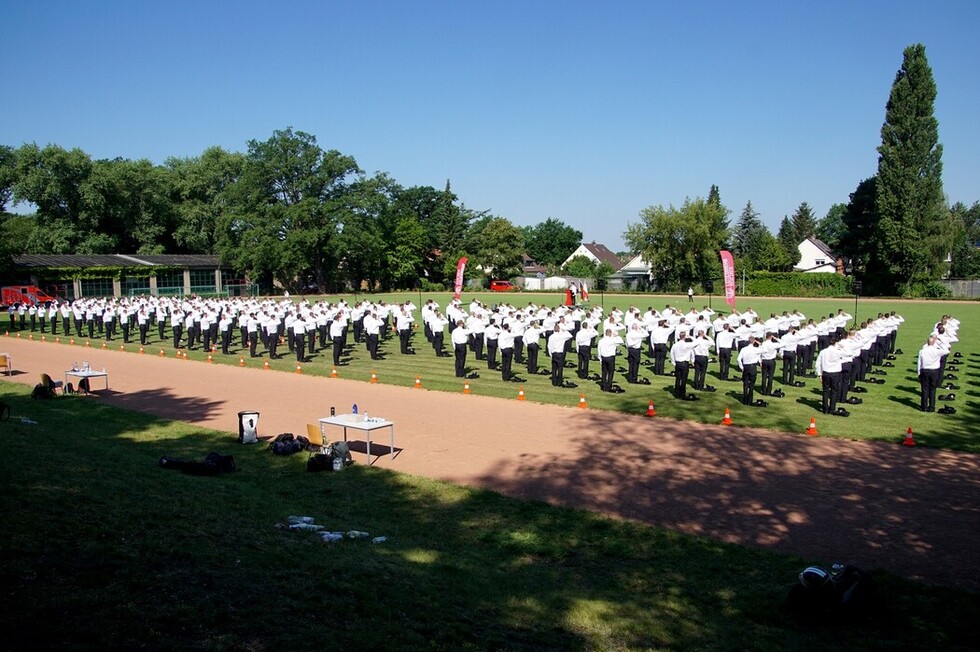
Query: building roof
x,y
823,247
603,254
115,260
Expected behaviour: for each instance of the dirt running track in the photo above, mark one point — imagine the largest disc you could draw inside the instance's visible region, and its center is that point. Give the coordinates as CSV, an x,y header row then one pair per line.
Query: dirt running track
x,y
912,511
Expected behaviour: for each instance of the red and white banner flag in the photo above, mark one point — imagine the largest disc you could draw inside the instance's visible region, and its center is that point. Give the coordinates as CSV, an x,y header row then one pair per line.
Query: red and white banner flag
x,y
460,266
728,266
585,292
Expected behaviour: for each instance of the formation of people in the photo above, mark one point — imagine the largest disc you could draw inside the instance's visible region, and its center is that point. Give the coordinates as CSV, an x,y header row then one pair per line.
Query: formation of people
x,y
544,340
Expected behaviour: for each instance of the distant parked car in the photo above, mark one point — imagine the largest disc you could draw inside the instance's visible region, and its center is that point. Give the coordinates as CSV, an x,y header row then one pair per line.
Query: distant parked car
x,y
503,286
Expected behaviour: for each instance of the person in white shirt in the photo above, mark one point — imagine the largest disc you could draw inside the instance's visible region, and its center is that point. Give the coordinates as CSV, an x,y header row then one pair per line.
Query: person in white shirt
x,y
748,361
583,342
531,336
930,374
702,348
607,357
635,336
768,352
681,356
829,366
724,342
460,338
556,349
505,344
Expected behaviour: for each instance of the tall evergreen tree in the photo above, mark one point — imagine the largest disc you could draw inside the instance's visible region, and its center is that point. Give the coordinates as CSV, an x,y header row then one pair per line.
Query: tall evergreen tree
x,y
790,243
747,234
804,223
911,231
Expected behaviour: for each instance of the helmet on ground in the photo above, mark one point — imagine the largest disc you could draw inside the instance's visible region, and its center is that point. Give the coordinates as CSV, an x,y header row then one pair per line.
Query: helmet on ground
x,y
814,577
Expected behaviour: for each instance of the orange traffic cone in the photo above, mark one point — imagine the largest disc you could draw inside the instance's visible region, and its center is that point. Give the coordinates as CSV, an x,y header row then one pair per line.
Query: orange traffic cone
x,y
909,439
299,368
418,382
651,412
177,354
57,340
31,336
87,342
466,387
185,356
141,350
72,341
333,373
265,364
241,361
122,348
812,430
727,421
581,401
374,377
210,358
520,393
44,338
104,345
162,354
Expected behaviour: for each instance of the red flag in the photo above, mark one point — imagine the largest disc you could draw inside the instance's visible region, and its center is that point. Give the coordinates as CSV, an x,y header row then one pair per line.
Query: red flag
x,y
728,265
460,266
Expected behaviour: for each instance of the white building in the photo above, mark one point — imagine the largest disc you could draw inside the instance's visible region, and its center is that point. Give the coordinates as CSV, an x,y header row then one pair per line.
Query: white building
x,y
816,256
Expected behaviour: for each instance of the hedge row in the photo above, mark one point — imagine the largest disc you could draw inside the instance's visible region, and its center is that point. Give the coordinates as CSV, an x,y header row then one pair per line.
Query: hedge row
x,y
798,284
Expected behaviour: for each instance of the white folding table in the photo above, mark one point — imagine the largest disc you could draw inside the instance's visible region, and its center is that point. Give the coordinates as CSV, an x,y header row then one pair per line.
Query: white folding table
x,y
87,373
366,426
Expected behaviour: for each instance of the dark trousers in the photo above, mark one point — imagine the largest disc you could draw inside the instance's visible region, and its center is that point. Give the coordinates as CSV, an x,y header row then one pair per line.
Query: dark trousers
x,y
460,350
532,358
299,339
929,380
768,371
831,390
558,368
491,354
253,343
178,331
846,380
659,356
681,371
144,330
749,373
789,368
226,340
372,345
584,356
608,365
506,360
700,370
724,362
338,348
437,342
632,363
403,336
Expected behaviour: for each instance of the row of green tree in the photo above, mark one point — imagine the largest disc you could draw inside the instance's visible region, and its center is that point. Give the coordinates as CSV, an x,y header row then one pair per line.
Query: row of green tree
x,y
287,210
897,233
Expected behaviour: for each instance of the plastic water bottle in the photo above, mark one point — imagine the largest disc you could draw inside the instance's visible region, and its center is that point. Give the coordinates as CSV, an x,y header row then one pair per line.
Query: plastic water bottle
x,y
353,410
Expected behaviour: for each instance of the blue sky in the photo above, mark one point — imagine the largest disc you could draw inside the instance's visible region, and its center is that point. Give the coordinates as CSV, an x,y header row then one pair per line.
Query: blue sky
x,y
585,112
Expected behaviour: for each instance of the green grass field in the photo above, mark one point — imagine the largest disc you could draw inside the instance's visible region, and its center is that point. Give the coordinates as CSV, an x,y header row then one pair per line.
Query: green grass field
x,y
888,410
102,549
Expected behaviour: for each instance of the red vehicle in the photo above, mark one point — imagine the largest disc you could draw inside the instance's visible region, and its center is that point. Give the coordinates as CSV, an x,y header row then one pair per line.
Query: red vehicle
x,y
26,294
503,286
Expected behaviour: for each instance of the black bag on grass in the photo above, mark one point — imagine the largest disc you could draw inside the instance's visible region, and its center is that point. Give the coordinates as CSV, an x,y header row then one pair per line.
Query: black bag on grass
x,y
320,462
